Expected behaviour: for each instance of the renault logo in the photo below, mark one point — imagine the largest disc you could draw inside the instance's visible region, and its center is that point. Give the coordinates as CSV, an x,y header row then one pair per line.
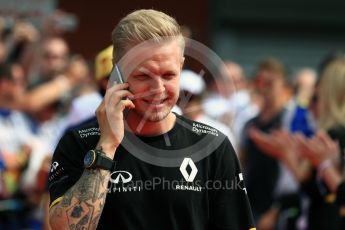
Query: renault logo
x,y
120,176
183,169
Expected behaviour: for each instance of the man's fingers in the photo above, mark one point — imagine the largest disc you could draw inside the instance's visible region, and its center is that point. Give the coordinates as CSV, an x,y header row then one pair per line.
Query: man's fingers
x,y
118,96
126,104
118,86
112,104
110,91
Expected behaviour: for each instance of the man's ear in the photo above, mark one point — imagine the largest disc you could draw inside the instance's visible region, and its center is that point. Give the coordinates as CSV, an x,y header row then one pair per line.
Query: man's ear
x,y
182,62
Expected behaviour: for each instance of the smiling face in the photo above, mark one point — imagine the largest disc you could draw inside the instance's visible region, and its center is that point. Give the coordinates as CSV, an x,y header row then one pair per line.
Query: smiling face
x,y
155,82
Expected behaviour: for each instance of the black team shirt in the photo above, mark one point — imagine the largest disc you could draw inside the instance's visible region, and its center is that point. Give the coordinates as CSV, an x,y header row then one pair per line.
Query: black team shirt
x,y
200,193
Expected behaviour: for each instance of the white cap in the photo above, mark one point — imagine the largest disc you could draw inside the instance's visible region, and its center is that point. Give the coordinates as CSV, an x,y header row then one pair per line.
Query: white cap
x,y
191,82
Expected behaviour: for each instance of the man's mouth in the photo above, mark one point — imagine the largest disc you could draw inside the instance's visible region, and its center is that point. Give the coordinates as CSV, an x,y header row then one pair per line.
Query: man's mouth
x,y
156,102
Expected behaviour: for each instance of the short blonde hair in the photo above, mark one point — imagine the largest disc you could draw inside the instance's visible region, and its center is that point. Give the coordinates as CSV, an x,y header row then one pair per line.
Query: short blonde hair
x,y
144,25
332,94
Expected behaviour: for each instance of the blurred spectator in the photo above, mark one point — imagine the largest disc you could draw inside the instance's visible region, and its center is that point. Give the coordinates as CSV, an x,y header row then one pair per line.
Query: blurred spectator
x,y
324,213
59,75
244,101
230,101
271,187
192,88
324,154
103,67
13,84
249,112
298,117
87,98
17,144
43,89
53,60
24,34
304,85
236,90
16,36
215,103
15,134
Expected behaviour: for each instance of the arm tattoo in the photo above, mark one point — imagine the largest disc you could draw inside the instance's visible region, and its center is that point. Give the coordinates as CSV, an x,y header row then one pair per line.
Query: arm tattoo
x,y
83,203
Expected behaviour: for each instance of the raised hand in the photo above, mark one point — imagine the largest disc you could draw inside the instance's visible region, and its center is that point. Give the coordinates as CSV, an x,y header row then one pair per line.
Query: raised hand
x,y
110,117
318,149
278,144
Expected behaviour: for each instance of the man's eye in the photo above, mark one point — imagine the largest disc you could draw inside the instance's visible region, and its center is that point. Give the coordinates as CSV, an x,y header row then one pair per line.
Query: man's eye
x,y
141,76
169,75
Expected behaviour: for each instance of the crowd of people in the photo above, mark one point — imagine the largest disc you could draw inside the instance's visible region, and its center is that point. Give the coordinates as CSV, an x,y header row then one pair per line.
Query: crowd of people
x,y
44,89
288,131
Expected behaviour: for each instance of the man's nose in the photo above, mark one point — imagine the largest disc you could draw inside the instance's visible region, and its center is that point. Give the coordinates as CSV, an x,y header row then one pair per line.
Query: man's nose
x,y
157,85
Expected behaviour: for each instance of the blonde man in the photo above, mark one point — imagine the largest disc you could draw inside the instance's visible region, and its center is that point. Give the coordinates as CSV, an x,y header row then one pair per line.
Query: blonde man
x,y
158,182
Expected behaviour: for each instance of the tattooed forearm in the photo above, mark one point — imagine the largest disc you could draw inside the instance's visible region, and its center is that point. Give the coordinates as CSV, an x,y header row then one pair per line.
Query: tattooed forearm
x,y
83,203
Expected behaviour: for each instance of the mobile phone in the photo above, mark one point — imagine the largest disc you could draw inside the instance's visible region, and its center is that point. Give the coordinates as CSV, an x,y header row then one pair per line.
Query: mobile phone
x,y
117,78
116,75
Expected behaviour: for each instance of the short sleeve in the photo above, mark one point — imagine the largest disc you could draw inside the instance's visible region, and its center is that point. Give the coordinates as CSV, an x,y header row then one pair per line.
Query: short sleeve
x,y
66,167
230,208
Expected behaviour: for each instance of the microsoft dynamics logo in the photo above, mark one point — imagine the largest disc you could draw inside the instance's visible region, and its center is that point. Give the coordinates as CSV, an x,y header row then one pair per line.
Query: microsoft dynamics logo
x,y
183,169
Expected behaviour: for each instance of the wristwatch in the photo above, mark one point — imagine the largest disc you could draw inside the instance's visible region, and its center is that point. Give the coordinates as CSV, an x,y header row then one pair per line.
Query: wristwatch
x,y
98,159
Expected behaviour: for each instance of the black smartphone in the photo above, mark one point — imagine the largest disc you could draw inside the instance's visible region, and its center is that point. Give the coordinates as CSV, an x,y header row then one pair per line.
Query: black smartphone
x,y
116,77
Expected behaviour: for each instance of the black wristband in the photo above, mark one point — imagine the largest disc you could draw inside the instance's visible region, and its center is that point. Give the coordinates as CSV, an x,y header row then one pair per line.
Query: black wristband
x,y
103,161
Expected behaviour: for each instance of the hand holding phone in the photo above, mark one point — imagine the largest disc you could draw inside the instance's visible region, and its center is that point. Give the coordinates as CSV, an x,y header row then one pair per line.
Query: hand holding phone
x,y
112,111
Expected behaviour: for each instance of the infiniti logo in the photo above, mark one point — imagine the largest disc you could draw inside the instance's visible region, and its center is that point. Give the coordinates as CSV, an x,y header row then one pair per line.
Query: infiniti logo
x,y
54,165
120,176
